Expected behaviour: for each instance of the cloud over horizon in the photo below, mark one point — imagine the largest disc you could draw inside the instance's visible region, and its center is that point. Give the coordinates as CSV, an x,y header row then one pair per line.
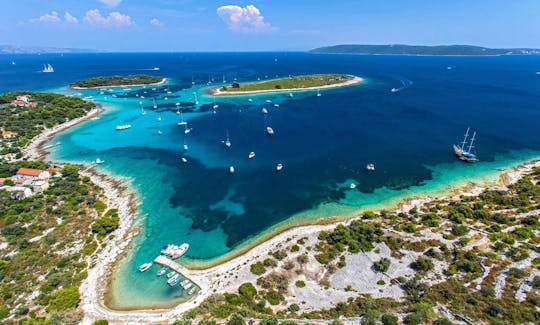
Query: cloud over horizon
x,y
156,22
111,3
246,19
114,19
52,17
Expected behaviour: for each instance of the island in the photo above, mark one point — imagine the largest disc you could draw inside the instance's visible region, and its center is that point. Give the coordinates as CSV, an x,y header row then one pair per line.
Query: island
x,y
288,84
400,49
118,81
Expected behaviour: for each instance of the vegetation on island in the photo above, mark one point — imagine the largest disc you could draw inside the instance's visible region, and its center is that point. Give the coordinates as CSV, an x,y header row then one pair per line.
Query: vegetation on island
x,y
400,49
472,259
111,81
296,82
48,239
25,122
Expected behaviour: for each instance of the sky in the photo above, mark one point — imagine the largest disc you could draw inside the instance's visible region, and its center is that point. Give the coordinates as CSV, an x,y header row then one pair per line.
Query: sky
x,y
265,25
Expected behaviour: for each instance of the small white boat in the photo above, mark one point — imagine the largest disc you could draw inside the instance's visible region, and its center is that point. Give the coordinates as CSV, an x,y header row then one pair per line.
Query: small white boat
x,y
352,186
227,142
268,101
394,90
231,169
184,160
174,251
166,98
276,105
290,94
162,271
173,280
279,167
155,68
159,132
145,266
47,68
264,111
171,274
186,147
250,100
215,106
370,167
159,119
192,290
318,93
196,100
99,161
186,131
155,105
123,127
269,130
251,155
182,122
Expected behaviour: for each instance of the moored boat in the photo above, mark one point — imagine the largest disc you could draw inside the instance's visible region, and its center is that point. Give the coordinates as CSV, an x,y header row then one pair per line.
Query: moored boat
x,y
174,251
466,154
123,127
370,167
145,266
251,155
279,167
269,130
162,271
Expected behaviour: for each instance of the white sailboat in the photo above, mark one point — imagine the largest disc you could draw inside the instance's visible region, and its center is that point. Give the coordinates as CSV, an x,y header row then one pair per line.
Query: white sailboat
x,y
215,105
264,111
155,104
269,130
159,119
318,93
231,169
279,167
196,100
227,142
182,122
47,68
251,155
143,112
184,160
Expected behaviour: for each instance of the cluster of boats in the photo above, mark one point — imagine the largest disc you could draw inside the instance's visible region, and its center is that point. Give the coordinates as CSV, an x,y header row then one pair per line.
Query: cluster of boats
x,y
174,251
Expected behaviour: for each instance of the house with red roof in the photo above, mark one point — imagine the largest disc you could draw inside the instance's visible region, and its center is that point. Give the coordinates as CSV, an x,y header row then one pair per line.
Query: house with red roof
x,y
8,134
32,174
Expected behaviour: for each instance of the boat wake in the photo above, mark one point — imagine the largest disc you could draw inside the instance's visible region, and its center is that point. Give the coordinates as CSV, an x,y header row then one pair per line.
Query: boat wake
x,y
405,83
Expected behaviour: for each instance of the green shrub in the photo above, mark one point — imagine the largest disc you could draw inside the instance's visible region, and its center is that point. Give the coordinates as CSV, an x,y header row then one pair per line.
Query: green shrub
x,y
388,319
422,264
64,299
300,284
294,308
273,297
247,290
101,322
257,268
382,265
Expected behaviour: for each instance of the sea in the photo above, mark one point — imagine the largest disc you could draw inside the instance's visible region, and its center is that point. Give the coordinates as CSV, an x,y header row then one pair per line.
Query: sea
x,y
323,142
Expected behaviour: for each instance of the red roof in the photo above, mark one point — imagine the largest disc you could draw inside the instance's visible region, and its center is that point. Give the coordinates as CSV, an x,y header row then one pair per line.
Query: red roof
x,y
28,172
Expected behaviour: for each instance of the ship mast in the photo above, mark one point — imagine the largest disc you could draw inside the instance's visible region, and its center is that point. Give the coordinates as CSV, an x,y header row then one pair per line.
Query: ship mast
x,y
465,139
472,141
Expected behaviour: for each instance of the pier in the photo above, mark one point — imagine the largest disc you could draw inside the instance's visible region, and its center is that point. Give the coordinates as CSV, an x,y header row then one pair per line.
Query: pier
x,y
162,260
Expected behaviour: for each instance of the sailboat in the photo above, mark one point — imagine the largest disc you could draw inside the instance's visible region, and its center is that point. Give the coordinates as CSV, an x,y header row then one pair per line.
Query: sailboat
x,y
269,130
196,100
318,93
264,110
185,147
231,169
182,122
215,105
251,155
47,68
155,105
143,112
466,154
227,142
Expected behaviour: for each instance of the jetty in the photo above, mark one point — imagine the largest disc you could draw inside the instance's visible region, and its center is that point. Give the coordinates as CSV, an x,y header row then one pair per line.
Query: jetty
x,y
164,261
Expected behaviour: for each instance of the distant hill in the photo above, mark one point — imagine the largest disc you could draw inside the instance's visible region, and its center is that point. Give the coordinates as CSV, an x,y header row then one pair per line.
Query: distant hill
x,y
399,49
15,49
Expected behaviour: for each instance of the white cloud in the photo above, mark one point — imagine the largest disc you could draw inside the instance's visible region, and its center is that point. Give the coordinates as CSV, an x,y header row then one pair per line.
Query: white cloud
x,y
155,22
114,19
48,18
70,18
111,3
243,20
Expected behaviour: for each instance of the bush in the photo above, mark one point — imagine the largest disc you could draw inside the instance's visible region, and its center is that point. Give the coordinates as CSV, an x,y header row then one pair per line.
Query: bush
x,y
101,322
64,299
460,230
247,290
382,265
388,319
294,308
236,319
269,321
300,284
257,268
422,264
274,297
442,321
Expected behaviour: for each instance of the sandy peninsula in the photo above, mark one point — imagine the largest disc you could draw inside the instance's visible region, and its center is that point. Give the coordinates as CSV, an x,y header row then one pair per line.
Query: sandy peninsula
x,y
218,92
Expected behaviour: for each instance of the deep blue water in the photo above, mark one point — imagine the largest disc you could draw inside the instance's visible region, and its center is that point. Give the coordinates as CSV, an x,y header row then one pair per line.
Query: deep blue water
x,y
323,142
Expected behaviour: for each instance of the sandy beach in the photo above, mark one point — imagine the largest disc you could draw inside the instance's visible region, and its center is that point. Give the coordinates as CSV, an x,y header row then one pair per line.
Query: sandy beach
x,y
163,81
219,92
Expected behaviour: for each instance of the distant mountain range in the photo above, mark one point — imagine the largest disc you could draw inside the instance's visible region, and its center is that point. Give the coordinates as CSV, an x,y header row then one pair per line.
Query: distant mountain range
x,y
399,49
14,49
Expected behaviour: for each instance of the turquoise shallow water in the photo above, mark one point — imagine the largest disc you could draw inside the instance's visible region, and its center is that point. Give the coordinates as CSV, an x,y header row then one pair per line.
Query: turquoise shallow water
x,y
323,142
